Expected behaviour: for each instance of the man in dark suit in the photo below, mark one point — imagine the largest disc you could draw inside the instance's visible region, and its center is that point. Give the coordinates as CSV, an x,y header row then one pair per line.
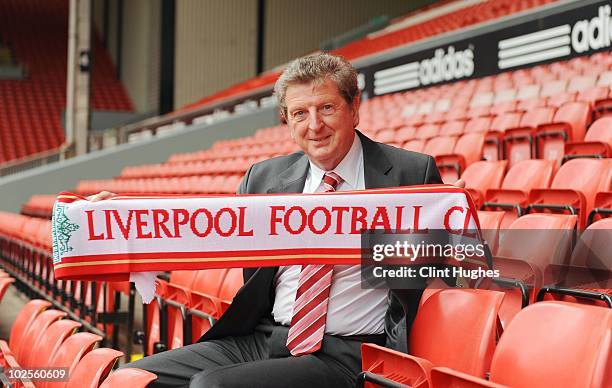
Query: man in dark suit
x,y
260,341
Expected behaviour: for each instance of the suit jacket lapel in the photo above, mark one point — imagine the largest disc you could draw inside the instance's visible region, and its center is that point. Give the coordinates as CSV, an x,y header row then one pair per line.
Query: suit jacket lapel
x,y
376,165
292,180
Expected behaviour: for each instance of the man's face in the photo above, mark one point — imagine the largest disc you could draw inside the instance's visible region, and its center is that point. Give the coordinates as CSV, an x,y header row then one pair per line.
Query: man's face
x,y
322,123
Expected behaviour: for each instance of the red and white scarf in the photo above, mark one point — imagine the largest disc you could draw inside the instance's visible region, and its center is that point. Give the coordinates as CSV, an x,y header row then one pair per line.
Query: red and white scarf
x,y
109,239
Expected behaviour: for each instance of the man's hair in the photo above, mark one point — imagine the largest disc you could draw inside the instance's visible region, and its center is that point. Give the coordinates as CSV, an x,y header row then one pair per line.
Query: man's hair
x,y
318,67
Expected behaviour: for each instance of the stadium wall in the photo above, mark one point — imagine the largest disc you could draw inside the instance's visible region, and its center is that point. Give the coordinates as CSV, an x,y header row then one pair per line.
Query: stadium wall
x,y
64,176
215,46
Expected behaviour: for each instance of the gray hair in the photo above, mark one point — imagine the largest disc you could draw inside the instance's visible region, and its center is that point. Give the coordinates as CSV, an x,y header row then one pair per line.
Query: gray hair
x,y
318,67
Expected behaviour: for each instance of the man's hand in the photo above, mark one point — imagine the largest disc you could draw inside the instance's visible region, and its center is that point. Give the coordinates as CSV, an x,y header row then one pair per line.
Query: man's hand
x,y
460,183
102,195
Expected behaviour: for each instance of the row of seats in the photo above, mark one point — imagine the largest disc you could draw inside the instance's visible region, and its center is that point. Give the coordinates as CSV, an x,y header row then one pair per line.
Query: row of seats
x,y
580,187
389,39
185,306
30,113
456,342
59,345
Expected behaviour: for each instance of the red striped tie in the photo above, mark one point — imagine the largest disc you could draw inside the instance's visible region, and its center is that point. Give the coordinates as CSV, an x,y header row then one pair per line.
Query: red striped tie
x,y
310,307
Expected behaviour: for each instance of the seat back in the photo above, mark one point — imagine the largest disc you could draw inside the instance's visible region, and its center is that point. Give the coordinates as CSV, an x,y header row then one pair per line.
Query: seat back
x,y
490,222
128,377
529,174
440,145
478,124
505,121
71,352
209,281
452,128
534,117
556,344
457,328
600,130
481,176
231,284
470,147
51,341
24,319
427,131
35,333
93,368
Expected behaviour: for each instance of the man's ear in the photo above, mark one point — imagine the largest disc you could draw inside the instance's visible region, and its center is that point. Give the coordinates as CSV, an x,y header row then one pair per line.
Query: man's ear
x,y
281,117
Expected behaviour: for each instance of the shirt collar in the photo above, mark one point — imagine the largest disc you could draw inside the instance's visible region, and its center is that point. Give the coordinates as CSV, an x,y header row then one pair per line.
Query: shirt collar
x,y
347,169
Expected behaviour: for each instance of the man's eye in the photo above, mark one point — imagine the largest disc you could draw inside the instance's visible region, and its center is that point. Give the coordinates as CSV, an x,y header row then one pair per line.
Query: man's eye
x,y
327,108
298,114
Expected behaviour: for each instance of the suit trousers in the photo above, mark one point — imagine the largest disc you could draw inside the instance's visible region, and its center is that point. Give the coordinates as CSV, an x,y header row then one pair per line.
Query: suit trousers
x,y
258,360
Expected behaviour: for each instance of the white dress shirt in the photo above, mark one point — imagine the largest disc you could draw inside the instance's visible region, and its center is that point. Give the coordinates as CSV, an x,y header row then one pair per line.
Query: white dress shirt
x,y
351,309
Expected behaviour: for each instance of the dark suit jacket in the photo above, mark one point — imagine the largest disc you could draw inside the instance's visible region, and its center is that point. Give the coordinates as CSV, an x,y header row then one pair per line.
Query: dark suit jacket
x,y
384,166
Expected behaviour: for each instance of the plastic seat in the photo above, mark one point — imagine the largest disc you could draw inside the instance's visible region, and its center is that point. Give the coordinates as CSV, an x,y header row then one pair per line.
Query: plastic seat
x,y
454,327
440,145
415,145
602,207
512,196
93,368
51,341
553,88
529,245
493,142
490,223
481,176
5,282
427,131
452,128
404,134
35,333
597,142
479,124
538,346
467,150
588,277
569,124
518,141
129,377
573,188
71,352
22,323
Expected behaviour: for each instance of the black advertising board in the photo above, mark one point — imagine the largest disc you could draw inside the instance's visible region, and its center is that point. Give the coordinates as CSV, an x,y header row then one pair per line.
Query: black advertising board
x,y
583,30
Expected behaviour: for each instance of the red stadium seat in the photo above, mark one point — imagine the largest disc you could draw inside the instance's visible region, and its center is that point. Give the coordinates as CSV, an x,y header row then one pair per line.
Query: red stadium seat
x,y
439,145
5,282
452,128
70,353
453,327
427,131
493,142
597,142
490,223
415,145
569,124
518,141
573,188
538,346
467,150
513,195
35,333
129,377
602,207
22,323
93,368
588,277
479,124
482,176
51,341
528,247
404,134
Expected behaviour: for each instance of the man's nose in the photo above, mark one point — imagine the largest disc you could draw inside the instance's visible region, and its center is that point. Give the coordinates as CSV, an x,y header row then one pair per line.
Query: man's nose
x,y
314,121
